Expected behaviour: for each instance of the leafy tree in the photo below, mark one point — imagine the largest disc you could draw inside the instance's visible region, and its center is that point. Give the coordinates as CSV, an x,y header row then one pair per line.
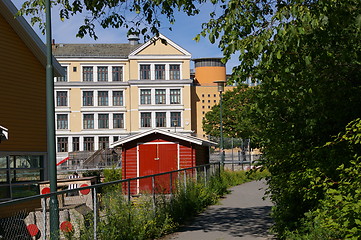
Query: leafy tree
x,y
235,115
139,17
307,55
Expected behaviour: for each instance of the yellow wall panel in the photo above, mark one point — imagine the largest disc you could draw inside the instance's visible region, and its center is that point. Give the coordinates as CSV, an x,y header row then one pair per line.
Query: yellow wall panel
x,y
22,98
158,48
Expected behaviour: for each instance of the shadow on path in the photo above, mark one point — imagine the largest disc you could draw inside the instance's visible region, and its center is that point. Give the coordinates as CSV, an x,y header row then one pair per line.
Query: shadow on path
x,y
237,222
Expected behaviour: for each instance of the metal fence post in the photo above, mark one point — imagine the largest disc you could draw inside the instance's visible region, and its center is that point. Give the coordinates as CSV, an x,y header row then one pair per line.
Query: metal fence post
x,y
43,201
128,191
185,180
205,174
95,212
153,189
171,185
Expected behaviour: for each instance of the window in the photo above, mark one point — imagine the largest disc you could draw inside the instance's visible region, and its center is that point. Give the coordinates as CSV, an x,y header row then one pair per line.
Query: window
x,y
88,121
102,74
88,74
175,118
175,96
103,142
76,144
144,71
160,96
65,78
88,98
61,98
62,121
62,144
160,119
145,119
145,96
160,71
102,98
103,121
214,95
117,73
24,169
88,143
117,98
115,138
174,72
118,120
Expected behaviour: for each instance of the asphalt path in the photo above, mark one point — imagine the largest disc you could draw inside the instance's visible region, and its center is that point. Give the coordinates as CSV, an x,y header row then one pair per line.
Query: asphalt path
x,y
242,214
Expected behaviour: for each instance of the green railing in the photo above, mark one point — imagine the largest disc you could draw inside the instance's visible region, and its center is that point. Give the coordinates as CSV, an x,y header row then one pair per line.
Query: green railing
x,y
81,209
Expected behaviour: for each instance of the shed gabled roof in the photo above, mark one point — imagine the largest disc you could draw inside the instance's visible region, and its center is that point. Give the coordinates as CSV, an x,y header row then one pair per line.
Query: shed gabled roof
x,y
179,136
27,35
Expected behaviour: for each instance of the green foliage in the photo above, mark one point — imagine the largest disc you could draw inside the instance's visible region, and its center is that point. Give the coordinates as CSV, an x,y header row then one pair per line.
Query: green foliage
x,y
139,17
144,219
93,173
235,117
337,216
110,175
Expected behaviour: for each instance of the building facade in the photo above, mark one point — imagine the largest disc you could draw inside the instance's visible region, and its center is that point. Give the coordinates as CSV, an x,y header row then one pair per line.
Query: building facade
x,y
205,92
23,149
114,90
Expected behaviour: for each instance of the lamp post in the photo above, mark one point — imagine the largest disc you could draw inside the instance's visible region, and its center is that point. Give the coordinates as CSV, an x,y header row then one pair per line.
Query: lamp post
x,y
221,85
50,115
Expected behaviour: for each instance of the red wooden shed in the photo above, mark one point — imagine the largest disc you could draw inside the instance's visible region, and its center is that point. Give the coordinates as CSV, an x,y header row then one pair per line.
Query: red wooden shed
x,y
157,151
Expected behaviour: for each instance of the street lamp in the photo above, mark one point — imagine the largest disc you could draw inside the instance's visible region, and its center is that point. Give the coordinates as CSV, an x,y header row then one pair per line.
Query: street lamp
x,y
221,85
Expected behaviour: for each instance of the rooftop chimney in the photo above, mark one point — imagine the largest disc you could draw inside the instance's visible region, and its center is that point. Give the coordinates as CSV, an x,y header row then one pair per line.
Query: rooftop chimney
x,y
133,39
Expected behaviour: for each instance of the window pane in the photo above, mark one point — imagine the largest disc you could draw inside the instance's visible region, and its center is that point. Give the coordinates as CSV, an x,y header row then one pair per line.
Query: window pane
x,y
3,162
145,96
88,98
117,98
88,121
174,72
102,74
117,73
145,120
65,78
160,119
103,98
28,161
88,143
175,96
25,175
118,120
103,121
62,144
103,142
160,96
160,71
76,144
62,121
175,118
144,71
3,176
25,190
87,74
61,98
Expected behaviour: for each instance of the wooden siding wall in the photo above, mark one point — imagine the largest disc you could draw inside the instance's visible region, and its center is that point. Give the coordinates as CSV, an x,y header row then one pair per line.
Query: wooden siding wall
x,y
22,96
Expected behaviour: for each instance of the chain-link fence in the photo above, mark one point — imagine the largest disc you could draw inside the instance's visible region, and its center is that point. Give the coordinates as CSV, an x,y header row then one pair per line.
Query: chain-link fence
x,y
84,204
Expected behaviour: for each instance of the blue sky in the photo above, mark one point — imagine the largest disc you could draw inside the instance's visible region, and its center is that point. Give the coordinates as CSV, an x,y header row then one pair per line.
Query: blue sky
x,y
184,30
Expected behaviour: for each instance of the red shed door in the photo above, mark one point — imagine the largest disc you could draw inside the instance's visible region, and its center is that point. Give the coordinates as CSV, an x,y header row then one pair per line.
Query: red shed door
x,y
153,159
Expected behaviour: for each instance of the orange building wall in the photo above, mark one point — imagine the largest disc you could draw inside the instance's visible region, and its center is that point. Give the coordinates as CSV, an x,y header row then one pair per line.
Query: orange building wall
x,y
22,96
207,75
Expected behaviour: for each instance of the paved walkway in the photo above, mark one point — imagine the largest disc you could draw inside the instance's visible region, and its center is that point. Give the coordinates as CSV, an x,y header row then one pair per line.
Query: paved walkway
x,y
242,214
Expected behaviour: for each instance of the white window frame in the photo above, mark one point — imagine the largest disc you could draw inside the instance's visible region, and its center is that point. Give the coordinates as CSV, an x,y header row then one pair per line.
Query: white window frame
x,y
95,71
152,69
